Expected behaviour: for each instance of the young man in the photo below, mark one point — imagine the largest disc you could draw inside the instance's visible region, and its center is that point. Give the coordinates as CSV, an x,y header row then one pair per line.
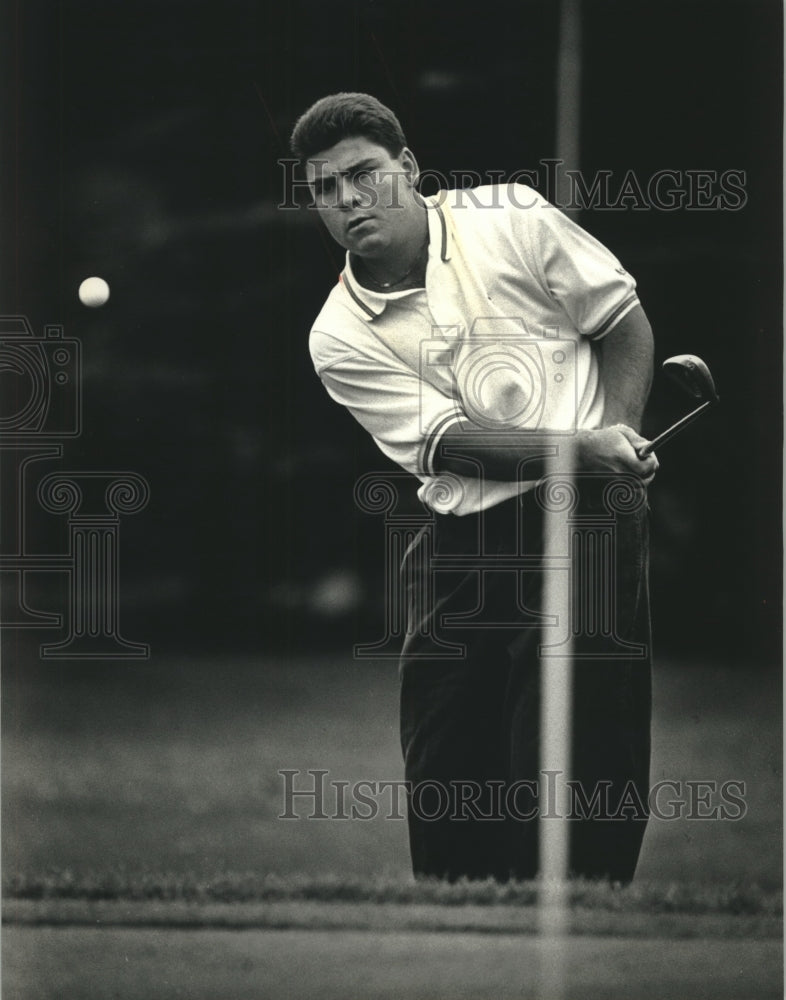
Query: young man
x,y
474,335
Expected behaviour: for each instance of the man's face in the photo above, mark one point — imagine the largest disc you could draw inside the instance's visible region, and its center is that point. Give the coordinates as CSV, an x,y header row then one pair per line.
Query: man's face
x,y
362,194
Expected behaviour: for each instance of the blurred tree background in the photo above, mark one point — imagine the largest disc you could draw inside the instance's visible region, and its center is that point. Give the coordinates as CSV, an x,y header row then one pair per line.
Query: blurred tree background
x,y
141,143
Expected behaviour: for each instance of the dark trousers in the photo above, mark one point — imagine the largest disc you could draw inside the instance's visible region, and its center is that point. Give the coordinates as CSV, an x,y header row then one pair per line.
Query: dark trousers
x,y
470,722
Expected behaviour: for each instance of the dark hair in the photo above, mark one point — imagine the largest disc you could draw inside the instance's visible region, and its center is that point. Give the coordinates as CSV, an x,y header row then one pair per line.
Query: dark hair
x,y
341,116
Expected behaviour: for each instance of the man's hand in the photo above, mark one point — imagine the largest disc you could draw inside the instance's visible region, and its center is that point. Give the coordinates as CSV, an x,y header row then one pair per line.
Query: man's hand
x,y
613,449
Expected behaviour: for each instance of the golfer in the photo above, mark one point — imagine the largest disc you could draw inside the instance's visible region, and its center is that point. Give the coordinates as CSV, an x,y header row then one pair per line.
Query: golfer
x,y
474,334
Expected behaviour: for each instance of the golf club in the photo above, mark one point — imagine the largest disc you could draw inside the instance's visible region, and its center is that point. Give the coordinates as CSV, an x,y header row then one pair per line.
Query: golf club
x,y
694,376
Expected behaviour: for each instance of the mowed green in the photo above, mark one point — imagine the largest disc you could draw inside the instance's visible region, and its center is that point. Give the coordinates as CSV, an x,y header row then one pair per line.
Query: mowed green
x,y
67,963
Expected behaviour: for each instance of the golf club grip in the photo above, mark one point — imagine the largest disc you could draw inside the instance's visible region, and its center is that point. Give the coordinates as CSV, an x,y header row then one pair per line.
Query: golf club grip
x,y
669,433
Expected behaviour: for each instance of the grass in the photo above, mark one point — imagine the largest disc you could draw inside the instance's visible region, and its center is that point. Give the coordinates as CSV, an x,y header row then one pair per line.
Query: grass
x,y
643,897
174,766
151,797
387,905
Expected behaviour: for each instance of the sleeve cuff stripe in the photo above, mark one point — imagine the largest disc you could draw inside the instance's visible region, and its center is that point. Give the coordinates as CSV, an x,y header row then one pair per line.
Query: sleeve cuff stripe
x,y
614,318
432,441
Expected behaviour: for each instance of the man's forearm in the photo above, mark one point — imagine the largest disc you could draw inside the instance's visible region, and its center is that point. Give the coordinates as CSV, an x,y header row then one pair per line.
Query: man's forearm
x,y
520,456
507,455
625,357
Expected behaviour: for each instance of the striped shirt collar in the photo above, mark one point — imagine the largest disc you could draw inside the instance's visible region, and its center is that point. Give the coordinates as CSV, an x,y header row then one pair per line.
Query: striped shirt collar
x,y
369,304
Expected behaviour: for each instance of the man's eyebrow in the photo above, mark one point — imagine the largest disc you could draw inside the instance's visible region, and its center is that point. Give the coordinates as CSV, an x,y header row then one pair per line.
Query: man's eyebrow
x,y
370,161
353,168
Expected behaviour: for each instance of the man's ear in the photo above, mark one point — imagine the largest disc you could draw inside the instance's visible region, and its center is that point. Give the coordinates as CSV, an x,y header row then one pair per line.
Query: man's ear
x,y
410,165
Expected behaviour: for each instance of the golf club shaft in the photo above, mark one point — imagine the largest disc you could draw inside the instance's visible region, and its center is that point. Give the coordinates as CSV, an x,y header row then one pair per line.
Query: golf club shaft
x,y
674,429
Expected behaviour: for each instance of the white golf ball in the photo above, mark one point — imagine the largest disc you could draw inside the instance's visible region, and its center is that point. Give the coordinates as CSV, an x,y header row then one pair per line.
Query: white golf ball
x,y
93,292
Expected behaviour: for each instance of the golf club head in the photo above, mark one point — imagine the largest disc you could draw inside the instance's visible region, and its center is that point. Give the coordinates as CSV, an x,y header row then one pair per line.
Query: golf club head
x,y
692,374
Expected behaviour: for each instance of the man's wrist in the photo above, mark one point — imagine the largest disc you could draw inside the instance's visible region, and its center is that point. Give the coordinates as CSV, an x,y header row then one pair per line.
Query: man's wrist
x,y
629,417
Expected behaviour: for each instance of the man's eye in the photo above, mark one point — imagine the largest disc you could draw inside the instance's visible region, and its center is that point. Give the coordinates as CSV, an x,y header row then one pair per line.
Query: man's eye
x,y
363,175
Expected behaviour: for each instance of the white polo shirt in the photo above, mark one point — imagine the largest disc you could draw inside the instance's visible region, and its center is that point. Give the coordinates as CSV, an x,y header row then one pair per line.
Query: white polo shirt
x,y
502,335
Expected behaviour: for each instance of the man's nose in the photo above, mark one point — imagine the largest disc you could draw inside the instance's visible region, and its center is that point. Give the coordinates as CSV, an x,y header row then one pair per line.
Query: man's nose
x,y
347,194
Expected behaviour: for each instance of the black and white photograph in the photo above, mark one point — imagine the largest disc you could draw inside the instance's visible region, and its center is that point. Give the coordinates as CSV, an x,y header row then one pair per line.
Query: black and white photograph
x,y
391,530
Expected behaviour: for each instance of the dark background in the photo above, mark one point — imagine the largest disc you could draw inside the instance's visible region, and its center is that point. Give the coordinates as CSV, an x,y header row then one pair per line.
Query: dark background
x,y
140,143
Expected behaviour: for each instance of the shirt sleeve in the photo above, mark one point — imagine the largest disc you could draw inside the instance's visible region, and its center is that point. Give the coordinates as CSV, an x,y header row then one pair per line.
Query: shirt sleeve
x,y
405,414
578,272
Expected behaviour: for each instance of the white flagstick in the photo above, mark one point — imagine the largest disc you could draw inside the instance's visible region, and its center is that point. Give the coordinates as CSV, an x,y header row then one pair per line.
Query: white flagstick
x,y
556,714
556,710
